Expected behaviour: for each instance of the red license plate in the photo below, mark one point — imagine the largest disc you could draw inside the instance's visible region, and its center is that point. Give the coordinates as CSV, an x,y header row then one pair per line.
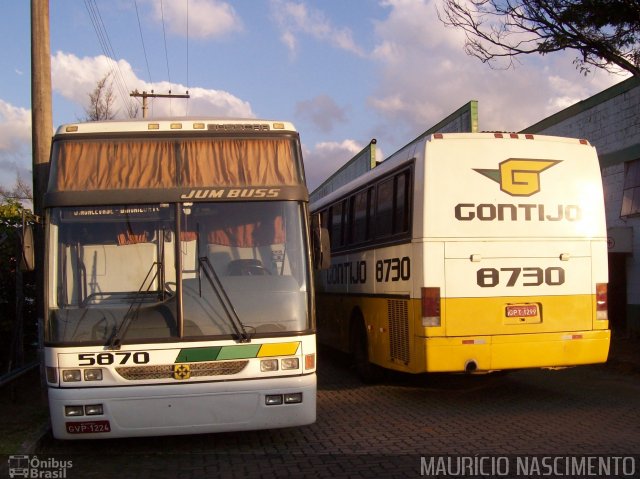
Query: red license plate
x,y
88,427
522,310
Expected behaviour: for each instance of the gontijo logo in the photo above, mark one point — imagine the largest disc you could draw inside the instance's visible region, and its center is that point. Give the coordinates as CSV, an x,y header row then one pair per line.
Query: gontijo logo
x,y
518,177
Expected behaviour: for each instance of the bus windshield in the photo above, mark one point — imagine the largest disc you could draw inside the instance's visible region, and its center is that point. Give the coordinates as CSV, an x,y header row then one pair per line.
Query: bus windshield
x,y
140,273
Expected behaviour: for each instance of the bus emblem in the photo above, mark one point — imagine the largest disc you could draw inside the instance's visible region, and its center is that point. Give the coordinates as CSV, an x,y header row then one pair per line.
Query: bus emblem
x,y
181,371
519,177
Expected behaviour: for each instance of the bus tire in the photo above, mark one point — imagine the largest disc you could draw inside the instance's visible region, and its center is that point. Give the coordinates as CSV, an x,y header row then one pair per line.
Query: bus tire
x,y
368,372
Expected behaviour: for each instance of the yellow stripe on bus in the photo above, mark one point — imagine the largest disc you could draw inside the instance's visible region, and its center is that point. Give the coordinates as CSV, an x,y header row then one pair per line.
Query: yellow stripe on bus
x,y
278,349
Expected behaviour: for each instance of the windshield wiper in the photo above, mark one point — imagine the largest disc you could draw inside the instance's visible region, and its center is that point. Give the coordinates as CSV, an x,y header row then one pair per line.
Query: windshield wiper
x,y
241,333
116,339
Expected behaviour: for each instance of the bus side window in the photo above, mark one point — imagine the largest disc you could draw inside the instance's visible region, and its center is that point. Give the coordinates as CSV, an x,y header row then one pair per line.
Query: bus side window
x,y
320,242
360,217
384,208
337,224
401,203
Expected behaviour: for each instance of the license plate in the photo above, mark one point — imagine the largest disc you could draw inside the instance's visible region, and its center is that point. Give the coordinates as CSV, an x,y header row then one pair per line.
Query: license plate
x,y
88,427
522,310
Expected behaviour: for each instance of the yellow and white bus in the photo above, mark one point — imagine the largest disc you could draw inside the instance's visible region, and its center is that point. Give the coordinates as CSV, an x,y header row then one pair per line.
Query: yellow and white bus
x,y
468,252
178,288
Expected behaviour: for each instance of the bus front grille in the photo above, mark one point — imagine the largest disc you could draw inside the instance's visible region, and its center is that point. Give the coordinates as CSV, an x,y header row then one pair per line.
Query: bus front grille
x,y
168,371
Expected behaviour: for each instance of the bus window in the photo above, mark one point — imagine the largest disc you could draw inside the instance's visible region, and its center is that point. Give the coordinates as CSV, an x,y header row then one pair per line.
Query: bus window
x,y
401,210
360,217
337,226
384,209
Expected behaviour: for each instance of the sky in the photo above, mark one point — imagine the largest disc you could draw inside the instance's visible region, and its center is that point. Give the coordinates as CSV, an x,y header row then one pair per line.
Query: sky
x,y
344,72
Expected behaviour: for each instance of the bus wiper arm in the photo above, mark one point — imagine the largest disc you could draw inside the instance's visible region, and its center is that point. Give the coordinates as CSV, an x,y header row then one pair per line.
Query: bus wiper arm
x,y
116,339
227,305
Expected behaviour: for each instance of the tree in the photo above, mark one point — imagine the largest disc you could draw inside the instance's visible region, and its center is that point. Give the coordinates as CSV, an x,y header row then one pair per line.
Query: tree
x,y
605,33
17,291
101,101
21,191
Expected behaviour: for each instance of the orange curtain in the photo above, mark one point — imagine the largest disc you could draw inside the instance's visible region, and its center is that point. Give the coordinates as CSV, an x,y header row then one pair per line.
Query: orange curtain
x,y
127,237
237,163
96,165
93,165
251,235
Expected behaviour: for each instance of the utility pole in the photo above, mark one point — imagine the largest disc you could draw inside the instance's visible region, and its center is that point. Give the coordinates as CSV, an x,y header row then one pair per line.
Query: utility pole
x,y
144,95
41,115
41,132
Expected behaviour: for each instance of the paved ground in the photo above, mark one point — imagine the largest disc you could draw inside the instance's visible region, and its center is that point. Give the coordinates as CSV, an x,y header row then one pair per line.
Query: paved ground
x,y
384,430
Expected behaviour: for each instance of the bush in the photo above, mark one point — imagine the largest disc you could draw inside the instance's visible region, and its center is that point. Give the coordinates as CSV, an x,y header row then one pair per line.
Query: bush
x,y
11,218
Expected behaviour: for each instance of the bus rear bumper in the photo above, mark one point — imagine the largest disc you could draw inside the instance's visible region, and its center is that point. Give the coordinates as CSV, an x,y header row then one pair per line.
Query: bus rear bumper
x,y
192,408
492,353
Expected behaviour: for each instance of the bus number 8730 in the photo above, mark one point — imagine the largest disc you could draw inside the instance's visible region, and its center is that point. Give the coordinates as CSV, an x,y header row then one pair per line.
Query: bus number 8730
x,y
530,276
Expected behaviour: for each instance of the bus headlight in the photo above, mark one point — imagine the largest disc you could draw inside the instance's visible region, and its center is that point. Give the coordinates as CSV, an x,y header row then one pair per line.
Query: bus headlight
x,y
290,363
93,374
94,410
71,375
273,399
73,411
267,365
293,398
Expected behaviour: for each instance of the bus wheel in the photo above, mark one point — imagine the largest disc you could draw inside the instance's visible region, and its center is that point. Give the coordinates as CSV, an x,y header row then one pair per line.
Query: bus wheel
x,y
367,372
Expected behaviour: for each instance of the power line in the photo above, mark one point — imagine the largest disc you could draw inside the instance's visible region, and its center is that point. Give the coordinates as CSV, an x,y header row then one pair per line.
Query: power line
x,y
107,49
166,52
105,44
144,50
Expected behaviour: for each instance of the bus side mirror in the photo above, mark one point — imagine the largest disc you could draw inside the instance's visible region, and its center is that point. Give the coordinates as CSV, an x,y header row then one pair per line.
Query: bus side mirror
x,y
321,244
28,261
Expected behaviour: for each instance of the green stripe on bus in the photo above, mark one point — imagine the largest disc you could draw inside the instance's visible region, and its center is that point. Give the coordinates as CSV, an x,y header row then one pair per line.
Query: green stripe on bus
x,y
239,352
191,355
244,351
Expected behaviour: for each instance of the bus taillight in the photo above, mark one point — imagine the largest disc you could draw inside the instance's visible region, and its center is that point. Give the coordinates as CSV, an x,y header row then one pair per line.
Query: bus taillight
x,y
430,307
601,301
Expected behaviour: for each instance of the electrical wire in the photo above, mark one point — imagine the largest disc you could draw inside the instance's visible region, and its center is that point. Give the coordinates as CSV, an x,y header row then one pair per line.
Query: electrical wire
x,y
144,50
166,54
109,53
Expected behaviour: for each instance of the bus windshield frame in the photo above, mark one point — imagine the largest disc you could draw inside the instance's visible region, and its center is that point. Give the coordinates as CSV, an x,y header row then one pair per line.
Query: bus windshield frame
x,y
119,274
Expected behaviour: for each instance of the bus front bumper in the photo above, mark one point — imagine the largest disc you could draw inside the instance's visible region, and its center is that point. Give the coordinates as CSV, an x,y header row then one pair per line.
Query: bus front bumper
x,y
192,408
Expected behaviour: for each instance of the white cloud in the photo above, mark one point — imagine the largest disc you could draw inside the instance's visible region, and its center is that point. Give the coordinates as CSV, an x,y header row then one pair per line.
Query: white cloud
x,y
297,18
15,126
327,157
424,75
206,18
74,78
15,143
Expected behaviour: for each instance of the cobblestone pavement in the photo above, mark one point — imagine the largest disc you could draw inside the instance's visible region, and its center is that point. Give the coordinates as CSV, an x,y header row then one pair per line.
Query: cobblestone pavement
x,y
384,430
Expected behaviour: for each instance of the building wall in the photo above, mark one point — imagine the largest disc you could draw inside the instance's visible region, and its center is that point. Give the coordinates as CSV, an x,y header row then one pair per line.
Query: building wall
x,y
610,121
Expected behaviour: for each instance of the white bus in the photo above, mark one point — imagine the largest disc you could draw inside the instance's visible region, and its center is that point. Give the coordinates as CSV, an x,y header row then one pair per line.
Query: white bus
x,y
178,290
468,252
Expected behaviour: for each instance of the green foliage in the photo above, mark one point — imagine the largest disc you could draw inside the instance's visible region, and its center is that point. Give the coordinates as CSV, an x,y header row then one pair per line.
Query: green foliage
x,y
10,229
11,218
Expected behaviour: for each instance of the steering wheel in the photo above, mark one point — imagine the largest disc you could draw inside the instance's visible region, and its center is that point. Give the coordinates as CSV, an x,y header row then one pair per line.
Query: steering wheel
x,y
247,267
